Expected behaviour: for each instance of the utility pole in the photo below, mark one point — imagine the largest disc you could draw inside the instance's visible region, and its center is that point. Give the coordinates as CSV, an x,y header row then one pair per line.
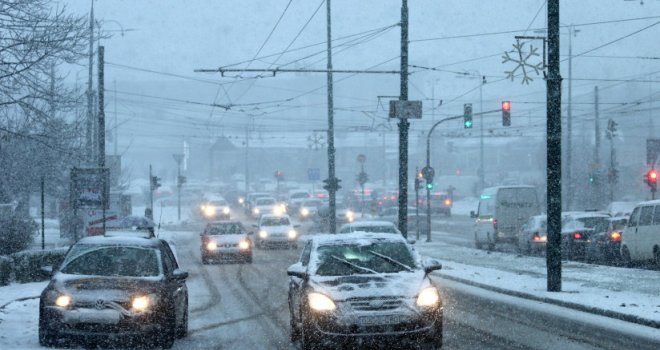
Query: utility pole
x,y
417,182
90,99
116,131
43,214
404,126
569,123
178,158
151,193
332,182
101,126
596,129
247,155
482,168
553,106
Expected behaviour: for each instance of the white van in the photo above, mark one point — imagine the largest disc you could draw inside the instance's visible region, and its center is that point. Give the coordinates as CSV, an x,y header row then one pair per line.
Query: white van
x,y
641,237
502,211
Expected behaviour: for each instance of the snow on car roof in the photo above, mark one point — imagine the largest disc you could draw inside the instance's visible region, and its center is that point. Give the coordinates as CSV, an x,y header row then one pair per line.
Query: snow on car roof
x,y
586,214
128,239
265,216
355,238
369,223
493,190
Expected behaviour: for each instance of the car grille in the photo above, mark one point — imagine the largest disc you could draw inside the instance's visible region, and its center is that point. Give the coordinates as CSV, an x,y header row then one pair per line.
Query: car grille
x,y
374,304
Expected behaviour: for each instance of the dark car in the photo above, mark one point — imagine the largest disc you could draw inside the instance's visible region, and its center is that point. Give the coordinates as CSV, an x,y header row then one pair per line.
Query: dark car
x,y
111,287
226,239
577,228
363,288
605,246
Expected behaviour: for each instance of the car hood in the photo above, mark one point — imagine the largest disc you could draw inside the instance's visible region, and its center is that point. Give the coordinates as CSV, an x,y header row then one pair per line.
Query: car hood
x,y
277,229
92,288
227,239
402,284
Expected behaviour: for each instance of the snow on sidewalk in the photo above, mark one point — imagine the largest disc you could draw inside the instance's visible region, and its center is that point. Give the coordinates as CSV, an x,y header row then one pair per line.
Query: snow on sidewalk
x,y
631,292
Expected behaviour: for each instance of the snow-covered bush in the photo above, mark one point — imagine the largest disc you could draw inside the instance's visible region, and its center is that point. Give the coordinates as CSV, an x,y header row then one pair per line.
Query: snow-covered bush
x,y
29,265
5,270
16,233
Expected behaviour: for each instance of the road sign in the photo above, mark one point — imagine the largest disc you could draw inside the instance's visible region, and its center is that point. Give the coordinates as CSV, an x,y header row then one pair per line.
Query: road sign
x,y
652,151
313,174
361,158
405,109
90,187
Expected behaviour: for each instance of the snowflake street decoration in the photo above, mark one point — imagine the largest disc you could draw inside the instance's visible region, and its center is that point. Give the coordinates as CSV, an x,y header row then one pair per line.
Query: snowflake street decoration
x,y
315,142
522,63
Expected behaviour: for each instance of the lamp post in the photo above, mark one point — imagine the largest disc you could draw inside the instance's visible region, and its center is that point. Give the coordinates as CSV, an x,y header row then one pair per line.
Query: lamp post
x,y
178,158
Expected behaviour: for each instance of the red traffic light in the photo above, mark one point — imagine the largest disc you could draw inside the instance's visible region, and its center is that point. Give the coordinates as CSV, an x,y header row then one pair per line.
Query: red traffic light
x,y
506,106
653,175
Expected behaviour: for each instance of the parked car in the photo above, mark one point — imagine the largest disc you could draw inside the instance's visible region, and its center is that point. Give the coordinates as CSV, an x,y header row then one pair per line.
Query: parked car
x,y
370,226
226,239
605,246
532,237
577,229
392,215
641,237
501,213
276,230
116,286
369,287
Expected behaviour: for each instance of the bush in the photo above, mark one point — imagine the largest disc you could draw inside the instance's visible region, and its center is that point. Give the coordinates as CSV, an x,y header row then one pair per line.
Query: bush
x,y
5,270
16,233
28,265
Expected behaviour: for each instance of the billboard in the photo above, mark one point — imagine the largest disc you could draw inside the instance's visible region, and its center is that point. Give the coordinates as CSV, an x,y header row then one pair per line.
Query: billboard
x,y
90,188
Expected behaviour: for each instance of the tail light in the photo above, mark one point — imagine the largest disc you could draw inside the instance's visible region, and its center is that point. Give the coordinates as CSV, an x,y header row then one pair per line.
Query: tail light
x,y
495,224
577,235
615,236
536,237
447,202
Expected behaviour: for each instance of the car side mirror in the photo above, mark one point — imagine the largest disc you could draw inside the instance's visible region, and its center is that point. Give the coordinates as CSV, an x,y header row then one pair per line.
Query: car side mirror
x,y
255,225
473,215
431,265
297,270
180,275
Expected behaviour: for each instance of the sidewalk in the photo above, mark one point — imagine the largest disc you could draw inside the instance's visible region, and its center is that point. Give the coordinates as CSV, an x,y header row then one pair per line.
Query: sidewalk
x,y
628,294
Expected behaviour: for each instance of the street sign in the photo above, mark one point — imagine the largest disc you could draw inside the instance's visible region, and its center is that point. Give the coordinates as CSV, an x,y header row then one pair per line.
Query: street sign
x,y
405,109
90,187
361,158
652,151
313,174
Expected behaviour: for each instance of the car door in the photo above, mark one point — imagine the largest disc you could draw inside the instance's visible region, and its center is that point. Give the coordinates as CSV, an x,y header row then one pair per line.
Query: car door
x,y
296,285
644,228
176,288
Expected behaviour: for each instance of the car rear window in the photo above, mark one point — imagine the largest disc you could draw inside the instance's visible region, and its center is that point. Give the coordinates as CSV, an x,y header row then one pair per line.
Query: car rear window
x,y
275,221
224,229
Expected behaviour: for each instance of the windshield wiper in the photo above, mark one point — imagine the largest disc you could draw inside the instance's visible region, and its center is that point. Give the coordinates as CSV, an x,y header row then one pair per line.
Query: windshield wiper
x,y
354,265
392,260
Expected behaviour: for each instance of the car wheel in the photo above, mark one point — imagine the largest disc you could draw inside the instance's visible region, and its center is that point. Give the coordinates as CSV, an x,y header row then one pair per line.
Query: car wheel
x,y
477,244
182,331
625,257
47,335
248,259
656,254
205,260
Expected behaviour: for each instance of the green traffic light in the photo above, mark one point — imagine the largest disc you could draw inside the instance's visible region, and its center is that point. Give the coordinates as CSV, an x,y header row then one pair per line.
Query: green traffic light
x,y
467,124
429,186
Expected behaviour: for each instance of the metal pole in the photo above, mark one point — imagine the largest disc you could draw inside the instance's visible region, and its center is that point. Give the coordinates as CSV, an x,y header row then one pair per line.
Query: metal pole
x,y
178,190
116,131
417,181
332,181
362,186
404,126
90,114
43,215
482,170
596,129
247,164
569,124
151,192
553,81
101,126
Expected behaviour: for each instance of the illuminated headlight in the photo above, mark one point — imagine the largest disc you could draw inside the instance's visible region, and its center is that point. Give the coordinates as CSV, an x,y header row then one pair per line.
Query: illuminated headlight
x,y
143,303
349,215
209,211
256,211
243,245
428,297
304,211
202,207
225,210
211,245
241,200
63,301
263,234
279,209
292,234
320,302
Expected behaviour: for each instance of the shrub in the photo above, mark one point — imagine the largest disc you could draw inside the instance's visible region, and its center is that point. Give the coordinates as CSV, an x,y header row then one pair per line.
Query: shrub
x,y
28,265
5,270
16,233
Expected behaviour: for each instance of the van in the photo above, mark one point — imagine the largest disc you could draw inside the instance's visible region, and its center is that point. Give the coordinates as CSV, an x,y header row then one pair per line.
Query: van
x,y
641,237
502,211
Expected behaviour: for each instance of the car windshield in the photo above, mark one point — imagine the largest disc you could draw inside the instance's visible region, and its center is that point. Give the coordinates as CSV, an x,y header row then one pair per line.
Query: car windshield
x,y
599,224
275,221
224,229
219,203
125,261
370,258
265,201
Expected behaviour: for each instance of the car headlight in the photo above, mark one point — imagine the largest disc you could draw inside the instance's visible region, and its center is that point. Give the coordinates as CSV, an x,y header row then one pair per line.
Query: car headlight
x,y
255,211
209,211
428,297
263,234
225,210
243,245
63,301
202,207
304,211
292,234
320,302
211,245
143,302
241,200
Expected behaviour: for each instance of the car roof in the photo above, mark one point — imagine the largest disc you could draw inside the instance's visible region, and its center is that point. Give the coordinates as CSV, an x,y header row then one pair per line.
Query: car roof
x,y
355,237
493,190
223,222
267,216
653,202
369,223
127,240
585,214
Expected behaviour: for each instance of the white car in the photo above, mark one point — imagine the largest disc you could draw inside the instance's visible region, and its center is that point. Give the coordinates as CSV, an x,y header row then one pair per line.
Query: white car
x,y
267,206
370,226
276,230
641,237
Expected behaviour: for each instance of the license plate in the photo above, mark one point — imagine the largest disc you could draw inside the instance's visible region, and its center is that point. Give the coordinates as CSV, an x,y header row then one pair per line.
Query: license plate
x,y
379,320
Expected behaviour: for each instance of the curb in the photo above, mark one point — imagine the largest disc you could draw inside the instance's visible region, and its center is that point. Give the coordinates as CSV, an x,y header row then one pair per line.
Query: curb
x,y
570,305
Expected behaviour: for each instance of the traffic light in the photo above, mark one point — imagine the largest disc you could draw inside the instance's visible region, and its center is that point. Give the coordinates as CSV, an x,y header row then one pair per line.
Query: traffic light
x,y
506,113
651,179
279,174
429,185
181,180
331,184
155,183
467,116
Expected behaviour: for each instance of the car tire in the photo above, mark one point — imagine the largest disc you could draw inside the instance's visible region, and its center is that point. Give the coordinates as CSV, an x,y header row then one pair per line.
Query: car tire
x,y
205,260
182,331
656,255
48,336
248,259
626,261
477,244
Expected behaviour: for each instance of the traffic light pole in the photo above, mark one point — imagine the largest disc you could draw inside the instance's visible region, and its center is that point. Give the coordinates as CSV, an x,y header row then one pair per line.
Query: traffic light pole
x,y
151,192
404,126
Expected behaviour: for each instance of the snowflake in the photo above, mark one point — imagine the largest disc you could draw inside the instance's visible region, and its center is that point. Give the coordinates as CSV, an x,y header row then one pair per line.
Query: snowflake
x,y
522,63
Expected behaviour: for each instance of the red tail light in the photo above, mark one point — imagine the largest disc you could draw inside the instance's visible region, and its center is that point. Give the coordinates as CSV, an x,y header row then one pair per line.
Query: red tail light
x,y
536,237
393,197
495,224
447,202
615,236
577,235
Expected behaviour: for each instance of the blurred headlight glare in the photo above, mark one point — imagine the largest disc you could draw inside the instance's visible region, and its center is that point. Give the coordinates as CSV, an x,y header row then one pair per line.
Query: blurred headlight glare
x,y
263,234
304,211
63,301
142,303
243,245
292,234
320,302
225,210
211,245
209,211
428,297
